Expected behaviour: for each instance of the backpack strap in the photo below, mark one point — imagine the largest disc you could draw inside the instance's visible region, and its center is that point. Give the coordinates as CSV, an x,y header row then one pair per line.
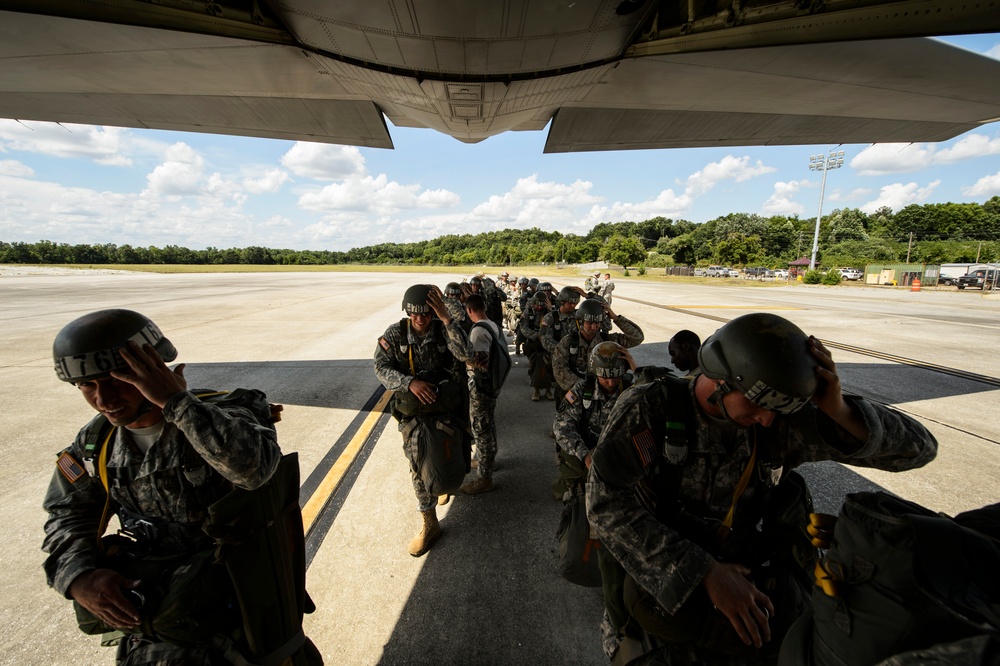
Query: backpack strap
x,y
98,442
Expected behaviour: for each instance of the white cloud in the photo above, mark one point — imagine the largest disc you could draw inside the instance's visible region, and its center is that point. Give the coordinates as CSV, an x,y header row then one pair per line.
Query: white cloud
x,y
884,158
987,186
531,203
271,181
729,167
968,147
15,169
323,161
780,202
887,158
897,196
103,145
666,204
180,173
377,195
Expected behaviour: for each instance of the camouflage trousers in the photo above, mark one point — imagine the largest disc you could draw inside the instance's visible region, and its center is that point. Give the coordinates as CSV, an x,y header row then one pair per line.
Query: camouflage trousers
x,y
411,447
539,365
484,428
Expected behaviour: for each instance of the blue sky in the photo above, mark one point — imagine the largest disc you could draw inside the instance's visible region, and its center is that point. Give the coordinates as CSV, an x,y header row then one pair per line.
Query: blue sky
x,y
85,184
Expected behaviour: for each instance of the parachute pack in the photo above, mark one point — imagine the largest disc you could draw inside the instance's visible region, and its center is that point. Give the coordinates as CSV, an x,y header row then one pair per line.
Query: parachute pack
x,y
500,362
901,583
444,454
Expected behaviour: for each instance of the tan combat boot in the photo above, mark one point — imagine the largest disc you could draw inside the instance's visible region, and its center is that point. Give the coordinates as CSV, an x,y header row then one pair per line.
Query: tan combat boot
x,y
483,484
534,395
429,533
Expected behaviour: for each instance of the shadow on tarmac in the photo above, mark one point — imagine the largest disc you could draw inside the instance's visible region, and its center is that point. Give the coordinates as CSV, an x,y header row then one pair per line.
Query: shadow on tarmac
x,y
489,591
319,383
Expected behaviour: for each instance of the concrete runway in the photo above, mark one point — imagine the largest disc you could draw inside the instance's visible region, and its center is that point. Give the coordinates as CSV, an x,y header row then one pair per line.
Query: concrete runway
x,y
488,593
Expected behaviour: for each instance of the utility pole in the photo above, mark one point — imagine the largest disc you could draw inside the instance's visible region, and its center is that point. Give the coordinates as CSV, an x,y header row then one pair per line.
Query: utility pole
x,y
834,160
908,247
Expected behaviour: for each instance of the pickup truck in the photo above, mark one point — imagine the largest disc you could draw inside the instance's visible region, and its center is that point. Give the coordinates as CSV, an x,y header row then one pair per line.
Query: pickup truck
x,y
981,279
716,271
850,273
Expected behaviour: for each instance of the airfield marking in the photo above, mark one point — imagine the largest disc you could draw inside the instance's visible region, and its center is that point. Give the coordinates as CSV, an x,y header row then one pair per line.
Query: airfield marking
x,y
328,486
902,360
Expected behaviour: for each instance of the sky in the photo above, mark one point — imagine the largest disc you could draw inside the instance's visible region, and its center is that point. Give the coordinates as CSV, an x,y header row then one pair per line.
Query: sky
x,y
88,184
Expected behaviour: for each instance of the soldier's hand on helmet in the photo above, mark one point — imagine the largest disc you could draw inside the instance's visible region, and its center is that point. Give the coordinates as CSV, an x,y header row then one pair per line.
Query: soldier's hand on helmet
x,y
735,596
102,592
581,291
150,374
435,299
425,391
829,396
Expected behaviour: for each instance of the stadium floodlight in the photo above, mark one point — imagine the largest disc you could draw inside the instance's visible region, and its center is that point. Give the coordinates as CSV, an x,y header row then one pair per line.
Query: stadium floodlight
x,y
823,163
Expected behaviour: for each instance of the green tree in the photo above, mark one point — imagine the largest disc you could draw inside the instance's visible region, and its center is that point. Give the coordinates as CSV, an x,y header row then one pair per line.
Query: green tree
x,y
623,251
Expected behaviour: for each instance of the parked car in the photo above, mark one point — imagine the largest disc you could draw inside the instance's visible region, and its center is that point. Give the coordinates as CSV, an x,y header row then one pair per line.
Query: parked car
x,y
947,281
716,271
780,274
981,279
699,272
731,272
758,273
850,273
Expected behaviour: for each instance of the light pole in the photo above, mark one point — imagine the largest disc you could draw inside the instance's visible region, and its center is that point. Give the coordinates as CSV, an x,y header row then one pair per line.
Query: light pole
x,y
834,160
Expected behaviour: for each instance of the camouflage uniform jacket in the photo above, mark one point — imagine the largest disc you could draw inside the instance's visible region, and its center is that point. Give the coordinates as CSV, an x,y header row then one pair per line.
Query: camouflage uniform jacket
x,y
629,459
555,325
456,310
579,422
430,358
158,485
569,368
529,324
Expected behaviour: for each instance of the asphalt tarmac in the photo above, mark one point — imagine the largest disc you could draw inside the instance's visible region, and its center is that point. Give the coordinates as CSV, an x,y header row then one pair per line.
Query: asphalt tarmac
x,y
488,593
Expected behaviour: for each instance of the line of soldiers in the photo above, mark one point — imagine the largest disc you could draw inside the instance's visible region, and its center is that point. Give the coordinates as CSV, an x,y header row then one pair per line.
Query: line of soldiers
x,y
689,485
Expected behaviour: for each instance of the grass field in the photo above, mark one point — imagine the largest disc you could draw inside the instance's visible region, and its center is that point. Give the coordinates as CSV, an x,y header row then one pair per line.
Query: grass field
x,y
558,273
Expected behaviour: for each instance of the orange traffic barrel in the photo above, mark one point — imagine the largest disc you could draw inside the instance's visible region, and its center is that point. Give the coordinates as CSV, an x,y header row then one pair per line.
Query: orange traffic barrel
x,y
915,286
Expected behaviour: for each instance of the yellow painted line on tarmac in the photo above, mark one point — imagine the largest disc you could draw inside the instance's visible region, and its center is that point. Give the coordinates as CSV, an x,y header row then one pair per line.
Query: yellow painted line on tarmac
x,y
332,479
723,307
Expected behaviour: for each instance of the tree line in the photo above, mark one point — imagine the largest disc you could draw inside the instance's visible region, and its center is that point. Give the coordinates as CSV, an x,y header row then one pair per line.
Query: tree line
x,y
927,233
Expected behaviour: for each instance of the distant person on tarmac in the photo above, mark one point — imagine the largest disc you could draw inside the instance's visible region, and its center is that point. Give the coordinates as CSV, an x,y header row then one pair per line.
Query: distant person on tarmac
x,y
607,287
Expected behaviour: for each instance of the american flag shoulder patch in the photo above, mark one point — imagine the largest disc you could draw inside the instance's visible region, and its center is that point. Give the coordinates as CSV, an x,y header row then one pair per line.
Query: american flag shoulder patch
x,y
383,343
645,446
69,467
570,397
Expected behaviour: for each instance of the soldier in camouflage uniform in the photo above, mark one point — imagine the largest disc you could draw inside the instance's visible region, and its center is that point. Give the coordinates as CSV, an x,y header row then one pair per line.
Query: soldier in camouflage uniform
x,y
689,488
556,323
585,410
454,299
169,456
529,327
436,349
578,424
569,360
482,404
494,297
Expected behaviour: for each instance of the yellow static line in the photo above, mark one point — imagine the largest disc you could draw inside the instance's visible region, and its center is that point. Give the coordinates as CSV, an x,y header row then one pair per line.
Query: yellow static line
x,y
332,479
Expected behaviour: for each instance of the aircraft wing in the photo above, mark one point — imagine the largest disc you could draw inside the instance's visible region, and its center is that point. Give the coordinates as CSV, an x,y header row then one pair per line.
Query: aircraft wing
x,y
604,74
